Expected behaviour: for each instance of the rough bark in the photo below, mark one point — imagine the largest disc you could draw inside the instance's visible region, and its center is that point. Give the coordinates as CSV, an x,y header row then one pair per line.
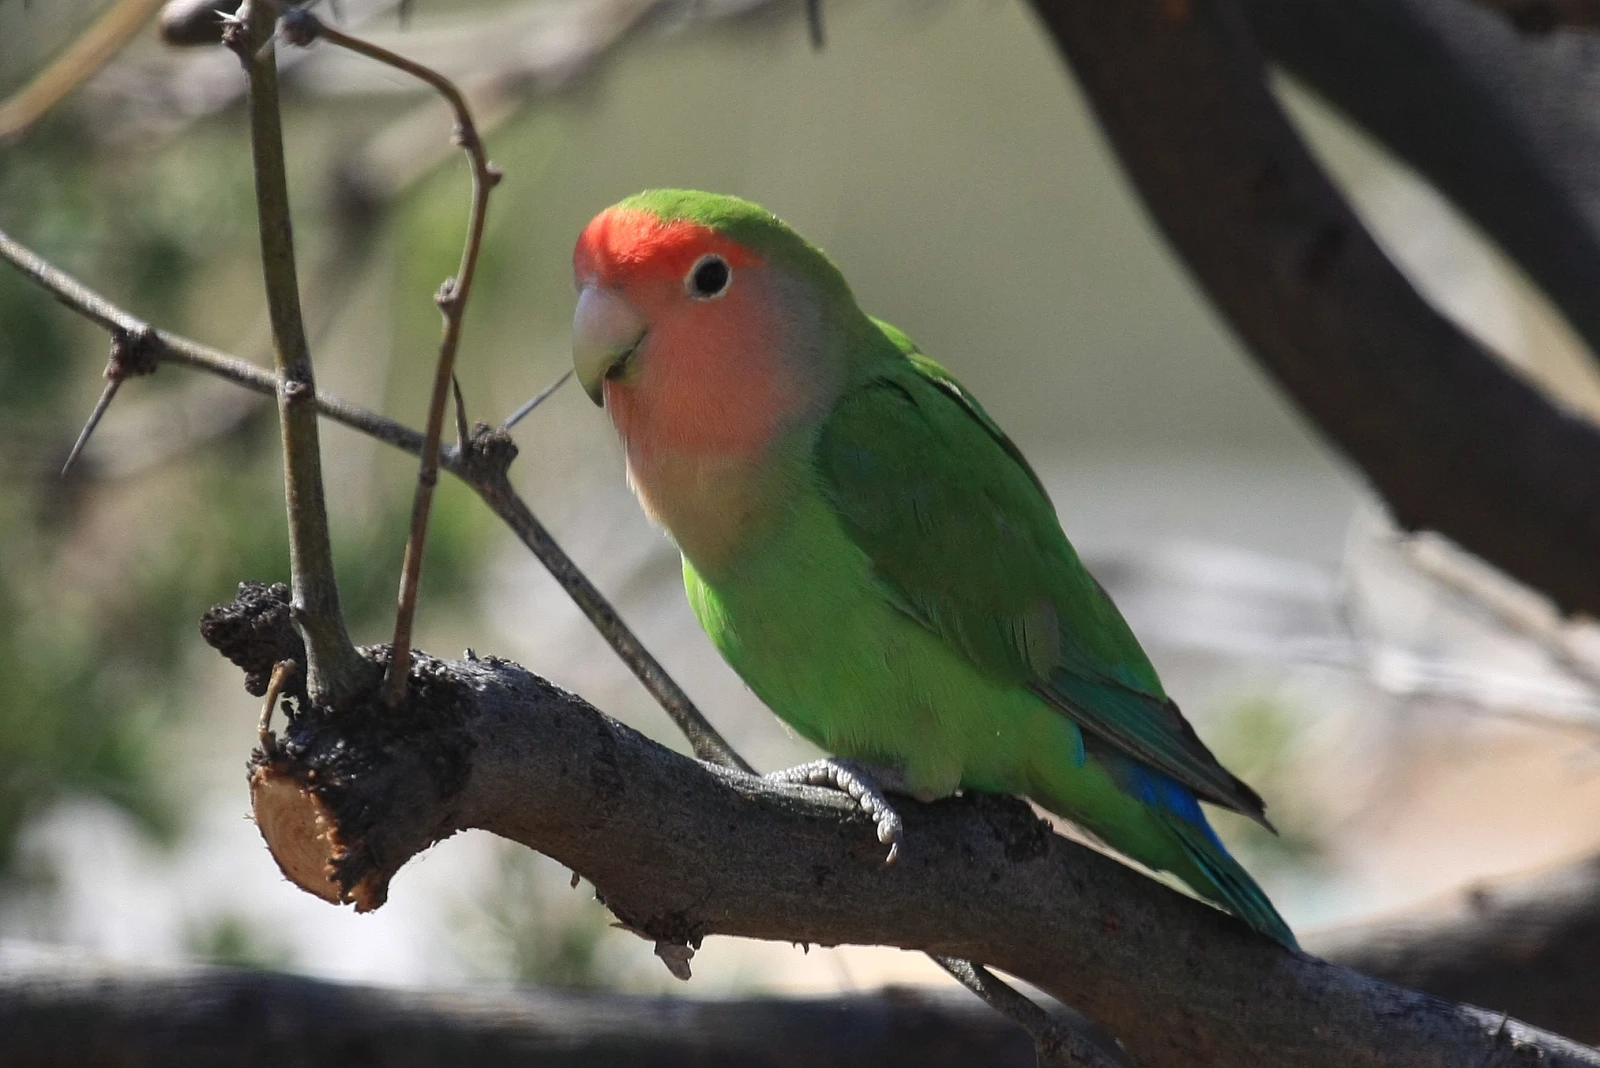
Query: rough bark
x,y
681,850
1452,440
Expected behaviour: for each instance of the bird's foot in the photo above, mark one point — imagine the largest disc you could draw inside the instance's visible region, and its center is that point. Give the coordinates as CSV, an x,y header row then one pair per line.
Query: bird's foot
x,y
866,783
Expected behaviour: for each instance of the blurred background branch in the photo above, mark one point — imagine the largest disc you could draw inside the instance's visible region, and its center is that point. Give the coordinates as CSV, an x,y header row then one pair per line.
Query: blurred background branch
x,y
1501,123
1403,392
1542,16
53,1009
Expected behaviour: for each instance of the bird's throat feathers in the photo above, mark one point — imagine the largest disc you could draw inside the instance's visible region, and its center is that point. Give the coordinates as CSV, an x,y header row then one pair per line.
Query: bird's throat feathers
x,y
718,388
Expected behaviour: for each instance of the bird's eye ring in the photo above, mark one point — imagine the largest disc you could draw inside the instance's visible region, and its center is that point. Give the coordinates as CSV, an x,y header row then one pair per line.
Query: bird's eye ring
x,y
709,277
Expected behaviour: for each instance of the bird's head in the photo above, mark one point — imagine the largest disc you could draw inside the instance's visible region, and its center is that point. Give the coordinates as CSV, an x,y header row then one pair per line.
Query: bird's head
x,y
705,321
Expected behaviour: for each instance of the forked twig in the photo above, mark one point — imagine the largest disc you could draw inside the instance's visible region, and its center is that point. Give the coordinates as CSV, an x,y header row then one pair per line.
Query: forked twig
x,y
334,670
301,27
490,482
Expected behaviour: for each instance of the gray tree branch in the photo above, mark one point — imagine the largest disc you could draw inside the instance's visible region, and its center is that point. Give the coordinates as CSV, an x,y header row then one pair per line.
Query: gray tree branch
x,y
680,850
1452,440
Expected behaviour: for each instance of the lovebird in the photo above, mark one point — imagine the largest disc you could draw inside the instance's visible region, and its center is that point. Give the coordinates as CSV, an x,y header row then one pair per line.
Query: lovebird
x,y
871,553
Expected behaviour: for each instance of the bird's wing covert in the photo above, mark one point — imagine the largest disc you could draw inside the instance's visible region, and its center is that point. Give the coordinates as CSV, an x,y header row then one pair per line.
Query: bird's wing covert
x,y
965,541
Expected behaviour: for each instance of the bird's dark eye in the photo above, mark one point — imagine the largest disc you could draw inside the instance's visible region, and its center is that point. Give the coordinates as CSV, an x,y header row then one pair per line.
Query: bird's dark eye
x,y
709,278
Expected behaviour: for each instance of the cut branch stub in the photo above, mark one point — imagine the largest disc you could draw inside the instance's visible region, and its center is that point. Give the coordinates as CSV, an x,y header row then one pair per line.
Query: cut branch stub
x,y
349,797
297,830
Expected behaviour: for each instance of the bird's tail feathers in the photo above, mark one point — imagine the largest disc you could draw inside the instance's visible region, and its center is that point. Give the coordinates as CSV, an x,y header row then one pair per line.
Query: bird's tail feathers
x,y
1225,882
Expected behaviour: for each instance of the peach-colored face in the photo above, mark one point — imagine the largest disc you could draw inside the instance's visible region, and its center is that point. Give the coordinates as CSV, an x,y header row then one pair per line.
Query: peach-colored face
x,y
706,378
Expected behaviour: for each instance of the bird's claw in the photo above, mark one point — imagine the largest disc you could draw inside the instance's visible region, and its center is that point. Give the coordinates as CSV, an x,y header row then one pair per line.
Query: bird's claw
x,y
865,785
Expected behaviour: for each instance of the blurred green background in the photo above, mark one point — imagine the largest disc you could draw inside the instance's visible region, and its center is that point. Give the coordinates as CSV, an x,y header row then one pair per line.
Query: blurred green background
x,y
941,154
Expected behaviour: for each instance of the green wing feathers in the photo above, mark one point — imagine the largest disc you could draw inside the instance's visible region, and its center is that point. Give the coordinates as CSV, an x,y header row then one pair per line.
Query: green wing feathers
x,y
965,541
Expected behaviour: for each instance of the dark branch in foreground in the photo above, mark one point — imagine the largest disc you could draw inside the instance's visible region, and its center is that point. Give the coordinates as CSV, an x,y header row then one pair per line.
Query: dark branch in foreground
x,y
681,850
1450,439
214,1018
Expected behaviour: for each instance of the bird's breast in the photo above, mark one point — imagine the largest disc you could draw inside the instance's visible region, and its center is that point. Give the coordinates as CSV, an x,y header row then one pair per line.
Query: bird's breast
x,y
715,507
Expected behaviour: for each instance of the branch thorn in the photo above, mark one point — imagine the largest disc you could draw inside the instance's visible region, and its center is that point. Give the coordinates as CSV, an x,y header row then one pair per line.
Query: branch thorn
x,y
133,353
463,429
100,407
534,401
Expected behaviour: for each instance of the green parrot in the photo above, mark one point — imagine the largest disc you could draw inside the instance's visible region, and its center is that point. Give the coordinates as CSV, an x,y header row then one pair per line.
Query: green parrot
x,y
871,553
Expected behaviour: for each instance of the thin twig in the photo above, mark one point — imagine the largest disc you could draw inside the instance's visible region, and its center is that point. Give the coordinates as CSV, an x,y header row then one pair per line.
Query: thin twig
x,y
534,401
68,290
282,671
335,672
1058,1046
86,55
301,27
708,744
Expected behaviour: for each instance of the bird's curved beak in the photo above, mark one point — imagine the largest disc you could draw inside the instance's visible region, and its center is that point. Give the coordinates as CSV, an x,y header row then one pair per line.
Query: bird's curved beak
x,y
606,331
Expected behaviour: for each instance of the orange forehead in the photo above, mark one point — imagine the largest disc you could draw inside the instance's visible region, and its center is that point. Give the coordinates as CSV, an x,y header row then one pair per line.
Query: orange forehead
x,y
623,244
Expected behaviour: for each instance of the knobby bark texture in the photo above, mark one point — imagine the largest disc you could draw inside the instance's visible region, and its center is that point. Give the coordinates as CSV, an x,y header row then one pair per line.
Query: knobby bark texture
x,y
680,850
1451,439
96,1017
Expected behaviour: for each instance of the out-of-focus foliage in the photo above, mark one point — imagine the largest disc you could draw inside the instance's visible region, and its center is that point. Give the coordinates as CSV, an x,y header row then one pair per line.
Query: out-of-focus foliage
x,y
102,578
528,927
1260,739
232,939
